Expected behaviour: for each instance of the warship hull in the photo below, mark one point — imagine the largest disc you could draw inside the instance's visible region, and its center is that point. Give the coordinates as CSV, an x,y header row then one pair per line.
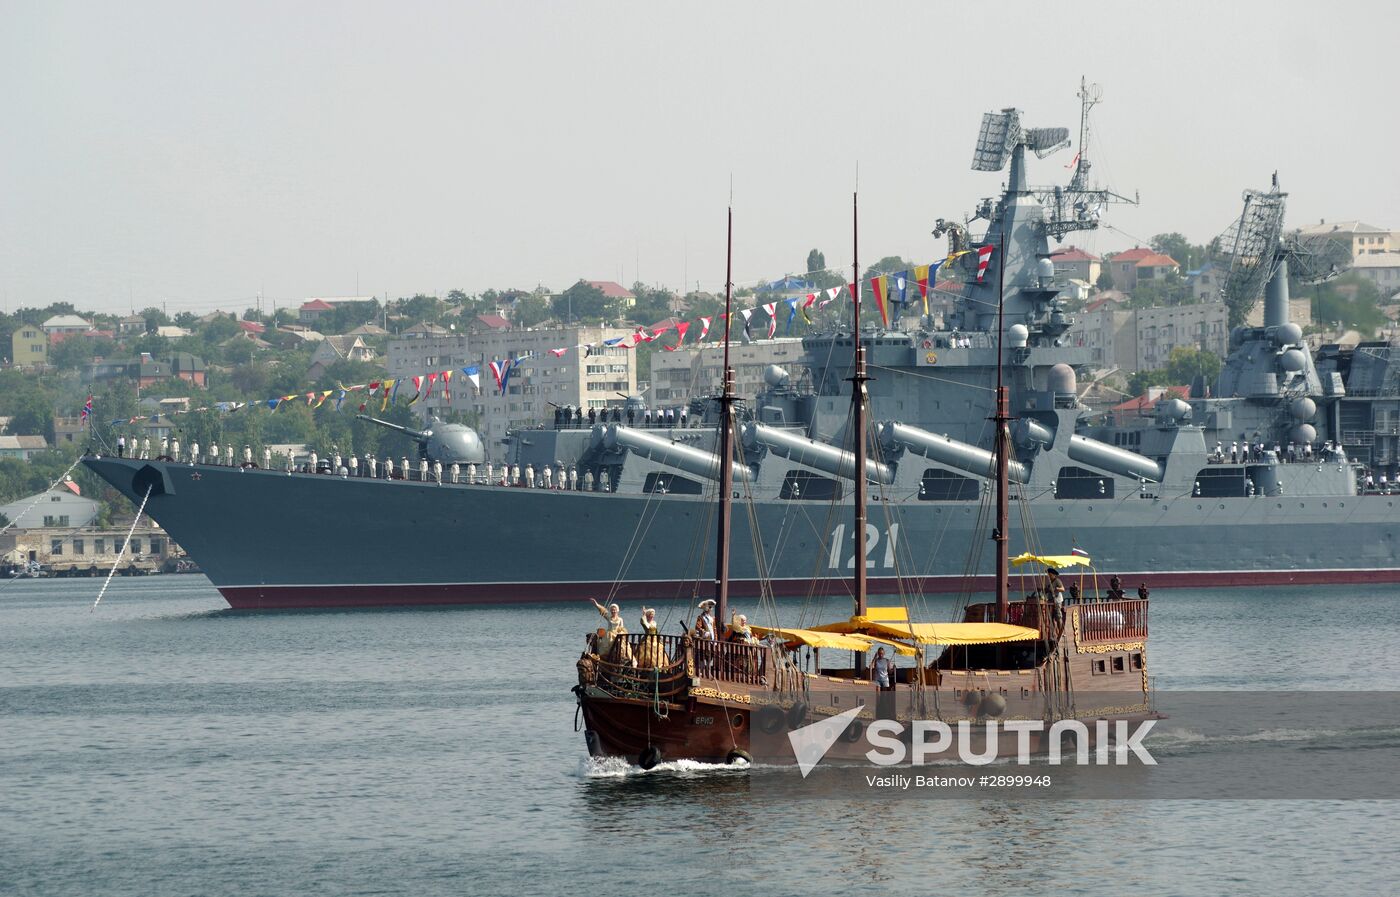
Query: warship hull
x,y
272,540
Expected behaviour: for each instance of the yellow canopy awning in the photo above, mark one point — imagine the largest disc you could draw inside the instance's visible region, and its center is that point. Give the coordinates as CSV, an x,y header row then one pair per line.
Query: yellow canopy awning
x,y
814,639
934,633
1052,560
844,641
960,633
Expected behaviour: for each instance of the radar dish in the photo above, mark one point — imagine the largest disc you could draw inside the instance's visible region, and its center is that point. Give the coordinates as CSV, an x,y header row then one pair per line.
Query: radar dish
x,y
1316,257
1252,248
999,135
1044,139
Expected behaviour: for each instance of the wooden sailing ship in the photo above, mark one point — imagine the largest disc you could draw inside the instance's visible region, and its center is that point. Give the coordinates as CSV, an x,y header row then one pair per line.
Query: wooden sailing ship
x,y
649,697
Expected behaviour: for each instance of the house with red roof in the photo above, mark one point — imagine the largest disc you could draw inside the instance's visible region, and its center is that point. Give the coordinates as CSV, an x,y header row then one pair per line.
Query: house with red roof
x,y
312,309
490,322
1073,263
1128,267
615,292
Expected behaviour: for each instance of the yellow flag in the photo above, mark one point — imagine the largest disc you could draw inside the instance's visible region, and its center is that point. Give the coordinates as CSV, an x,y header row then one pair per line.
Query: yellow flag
x,y
388,385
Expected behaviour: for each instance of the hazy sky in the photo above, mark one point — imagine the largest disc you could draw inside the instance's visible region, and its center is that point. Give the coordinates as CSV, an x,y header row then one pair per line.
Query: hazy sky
x,y
200,153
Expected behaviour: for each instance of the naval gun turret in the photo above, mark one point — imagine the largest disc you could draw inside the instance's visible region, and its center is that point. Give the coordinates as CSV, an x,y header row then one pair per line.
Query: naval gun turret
x,y
448,443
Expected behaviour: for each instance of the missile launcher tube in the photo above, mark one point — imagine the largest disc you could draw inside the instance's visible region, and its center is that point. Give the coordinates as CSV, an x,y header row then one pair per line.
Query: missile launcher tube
x,y
808,453
949,451
656,448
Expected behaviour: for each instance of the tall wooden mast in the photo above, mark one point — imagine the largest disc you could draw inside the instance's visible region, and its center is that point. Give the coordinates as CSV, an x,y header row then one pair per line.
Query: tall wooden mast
x,y
726,446
858,380
1002,445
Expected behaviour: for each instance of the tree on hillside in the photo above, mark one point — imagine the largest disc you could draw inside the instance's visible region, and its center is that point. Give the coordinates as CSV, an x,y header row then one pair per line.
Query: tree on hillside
x,y
422,308
582,303
155,318
236,351
702,305
1170,290
348,315
219,329
1350,300
1183,365
532,309
816,261
250,380
76,351
157,346
28,403
653,304
1186,363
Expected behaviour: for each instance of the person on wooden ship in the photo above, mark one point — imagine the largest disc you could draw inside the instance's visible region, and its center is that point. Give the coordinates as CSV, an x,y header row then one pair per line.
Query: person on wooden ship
x,y
614,633
882,671
705,621
739,631
651,653
1115,589
1142,591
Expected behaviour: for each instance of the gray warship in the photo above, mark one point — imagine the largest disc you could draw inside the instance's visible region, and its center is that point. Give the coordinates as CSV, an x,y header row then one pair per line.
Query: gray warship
x,y
1162,502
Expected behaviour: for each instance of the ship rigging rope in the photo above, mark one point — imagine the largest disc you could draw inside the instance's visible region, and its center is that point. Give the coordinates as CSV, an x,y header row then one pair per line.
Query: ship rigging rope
x,y
699,543
766,602
634,546
122,553
908,373
42,495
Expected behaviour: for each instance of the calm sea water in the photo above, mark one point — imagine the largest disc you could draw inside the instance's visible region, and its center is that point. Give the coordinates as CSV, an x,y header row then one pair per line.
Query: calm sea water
x,y
166,745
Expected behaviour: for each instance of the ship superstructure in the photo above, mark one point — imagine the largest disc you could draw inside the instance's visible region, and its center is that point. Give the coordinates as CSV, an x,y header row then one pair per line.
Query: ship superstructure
x,y
1162,501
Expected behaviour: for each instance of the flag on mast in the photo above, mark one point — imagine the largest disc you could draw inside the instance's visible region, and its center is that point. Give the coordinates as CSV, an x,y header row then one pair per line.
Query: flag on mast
x,y
881,286
984,257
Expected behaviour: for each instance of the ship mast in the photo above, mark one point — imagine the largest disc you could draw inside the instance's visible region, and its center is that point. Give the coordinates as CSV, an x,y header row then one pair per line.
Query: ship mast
x,y
726,447
1001,444
858,381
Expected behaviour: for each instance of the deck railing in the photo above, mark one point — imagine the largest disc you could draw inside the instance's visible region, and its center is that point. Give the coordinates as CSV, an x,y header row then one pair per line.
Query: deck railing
x,y
1098,620
731,661
635,656
643,666
1107,621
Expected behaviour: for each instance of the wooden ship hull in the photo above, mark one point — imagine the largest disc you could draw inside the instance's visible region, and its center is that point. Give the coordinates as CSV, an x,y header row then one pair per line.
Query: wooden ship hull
x,y
714,702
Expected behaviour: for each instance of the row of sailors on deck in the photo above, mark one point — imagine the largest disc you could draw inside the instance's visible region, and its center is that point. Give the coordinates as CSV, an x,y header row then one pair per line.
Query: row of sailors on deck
x,y
567,417
170,448
1384,487
1294,453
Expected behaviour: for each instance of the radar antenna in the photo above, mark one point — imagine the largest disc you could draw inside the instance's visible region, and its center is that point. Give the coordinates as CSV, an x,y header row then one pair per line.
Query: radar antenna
x,y
1002,132
1256,246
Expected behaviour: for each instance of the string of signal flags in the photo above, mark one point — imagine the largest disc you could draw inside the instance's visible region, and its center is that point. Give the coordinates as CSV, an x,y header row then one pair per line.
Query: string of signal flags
x,y
888,290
